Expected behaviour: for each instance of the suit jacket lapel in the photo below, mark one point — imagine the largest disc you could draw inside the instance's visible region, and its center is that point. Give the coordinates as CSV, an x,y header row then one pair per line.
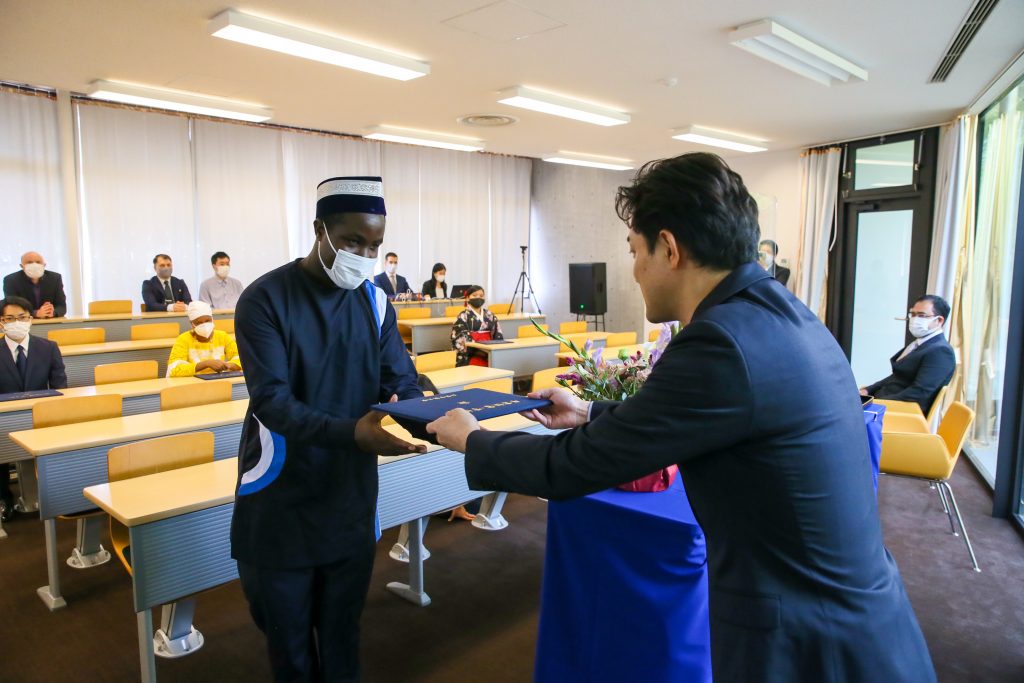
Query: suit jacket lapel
x,y
7,361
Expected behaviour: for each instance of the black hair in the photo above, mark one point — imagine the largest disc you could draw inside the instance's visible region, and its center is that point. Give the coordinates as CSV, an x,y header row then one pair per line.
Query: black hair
x,y
701,201
939,305
772,244
389,255
437,267
473,288
18,301
216,257
160,256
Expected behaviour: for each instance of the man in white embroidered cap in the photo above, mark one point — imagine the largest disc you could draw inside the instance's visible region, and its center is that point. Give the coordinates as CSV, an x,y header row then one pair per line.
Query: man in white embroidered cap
x,y
319,344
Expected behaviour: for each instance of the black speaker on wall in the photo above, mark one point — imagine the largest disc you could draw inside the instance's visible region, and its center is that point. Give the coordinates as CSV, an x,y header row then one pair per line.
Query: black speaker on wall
x,y
588,291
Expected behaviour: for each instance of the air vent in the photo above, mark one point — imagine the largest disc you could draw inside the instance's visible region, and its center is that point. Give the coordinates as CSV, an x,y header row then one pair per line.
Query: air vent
x,y
487,120
975,18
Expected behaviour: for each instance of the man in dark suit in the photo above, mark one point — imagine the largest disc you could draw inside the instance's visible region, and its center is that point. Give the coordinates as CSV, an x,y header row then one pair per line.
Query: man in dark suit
x,y
27,363
163,292
756,403
43,289
926,364
768,256
390,281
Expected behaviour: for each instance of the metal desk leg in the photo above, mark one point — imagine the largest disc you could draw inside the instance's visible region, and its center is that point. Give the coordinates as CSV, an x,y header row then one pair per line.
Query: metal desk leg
x,y
176,636
489,518
400,550
413,591
50,593
88,552
147,664
28,486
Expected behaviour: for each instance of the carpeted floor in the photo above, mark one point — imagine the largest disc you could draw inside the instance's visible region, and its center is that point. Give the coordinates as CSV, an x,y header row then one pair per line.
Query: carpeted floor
x,y
485,588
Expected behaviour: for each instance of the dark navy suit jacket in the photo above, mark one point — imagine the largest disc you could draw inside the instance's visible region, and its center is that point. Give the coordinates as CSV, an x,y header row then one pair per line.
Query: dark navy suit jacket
x,y
153,293
51,288
384,282
920,375
45,368
756,403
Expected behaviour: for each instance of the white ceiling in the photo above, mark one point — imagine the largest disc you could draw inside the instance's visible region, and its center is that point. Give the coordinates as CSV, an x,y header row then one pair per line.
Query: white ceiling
x,y
612,52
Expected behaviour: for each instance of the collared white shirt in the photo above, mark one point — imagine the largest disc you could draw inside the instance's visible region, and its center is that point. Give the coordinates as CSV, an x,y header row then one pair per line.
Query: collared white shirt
x,y
917,342
220,294
13,346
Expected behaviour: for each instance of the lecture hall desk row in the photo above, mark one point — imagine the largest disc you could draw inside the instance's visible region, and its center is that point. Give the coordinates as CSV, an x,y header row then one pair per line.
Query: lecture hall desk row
x,y
119,325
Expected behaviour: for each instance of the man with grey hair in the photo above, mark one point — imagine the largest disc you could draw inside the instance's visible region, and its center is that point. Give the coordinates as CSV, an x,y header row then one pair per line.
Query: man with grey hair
x,y
42,288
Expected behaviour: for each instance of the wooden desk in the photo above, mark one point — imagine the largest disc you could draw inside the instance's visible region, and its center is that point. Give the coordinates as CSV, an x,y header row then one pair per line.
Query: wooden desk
x,y
81,359
456,379
609,353
434,334
69,458
119,325
179,523
436,306
522,356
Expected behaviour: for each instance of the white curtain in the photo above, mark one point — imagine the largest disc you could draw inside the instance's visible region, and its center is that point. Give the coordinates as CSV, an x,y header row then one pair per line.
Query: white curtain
x,y
819,187
510,223
955,166
32,218
400,169
136,199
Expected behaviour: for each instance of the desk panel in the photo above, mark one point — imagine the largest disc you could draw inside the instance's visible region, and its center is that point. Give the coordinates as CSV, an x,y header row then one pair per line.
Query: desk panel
x,y
80,367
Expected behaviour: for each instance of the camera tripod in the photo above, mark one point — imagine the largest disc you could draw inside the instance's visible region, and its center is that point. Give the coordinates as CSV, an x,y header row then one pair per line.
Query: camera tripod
x,y
523,288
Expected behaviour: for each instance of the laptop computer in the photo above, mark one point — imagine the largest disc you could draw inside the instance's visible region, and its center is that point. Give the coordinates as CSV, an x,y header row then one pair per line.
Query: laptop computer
x,y
459,291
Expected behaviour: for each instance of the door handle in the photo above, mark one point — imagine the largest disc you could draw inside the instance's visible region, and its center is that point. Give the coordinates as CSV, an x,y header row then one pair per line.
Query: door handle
x,y
904,319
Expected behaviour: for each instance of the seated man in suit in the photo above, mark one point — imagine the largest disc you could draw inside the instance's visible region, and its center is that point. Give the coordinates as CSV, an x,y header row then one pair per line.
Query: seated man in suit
x,y
926,365
390,281
768,255
163,292
27,363
42,288
800,585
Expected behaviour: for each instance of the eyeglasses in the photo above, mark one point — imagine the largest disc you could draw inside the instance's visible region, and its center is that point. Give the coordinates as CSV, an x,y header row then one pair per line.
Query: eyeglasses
x,y
23,318
916,314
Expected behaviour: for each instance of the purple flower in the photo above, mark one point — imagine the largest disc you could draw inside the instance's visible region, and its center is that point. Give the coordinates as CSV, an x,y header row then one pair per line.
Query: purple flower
x,y
598,356
588,346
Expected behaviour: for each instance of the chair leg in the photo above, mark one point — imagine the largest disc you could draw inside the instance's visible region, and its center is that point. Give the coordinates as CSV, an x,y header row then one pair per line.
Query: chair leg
x,y
956,509
949,513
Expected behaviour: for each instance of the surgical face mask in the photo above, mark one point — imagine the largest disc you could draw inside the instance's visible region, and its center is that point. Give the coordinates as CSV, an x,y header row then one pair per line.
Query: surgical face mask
x,y
919,327
439,278
17,330
204,330
349,270
164,273
767,260
222,271
35,270
476,302
391,268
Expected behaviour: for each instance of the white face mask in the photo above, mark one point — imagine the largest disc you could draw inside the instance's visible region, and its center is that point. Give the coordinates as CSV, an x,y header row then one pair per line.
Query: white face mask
x,y
439,278
391,268
204,330
349,270
35,270
222,271
767,260
919,327
17,330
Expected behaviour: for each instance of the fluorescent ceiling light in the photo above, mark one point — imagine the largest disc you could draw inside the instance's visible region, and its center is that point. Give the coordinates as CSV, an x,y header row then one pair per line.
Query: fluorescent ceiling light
x,y
409,136
590,160
719,138
776,43
547,103
177,100
320,47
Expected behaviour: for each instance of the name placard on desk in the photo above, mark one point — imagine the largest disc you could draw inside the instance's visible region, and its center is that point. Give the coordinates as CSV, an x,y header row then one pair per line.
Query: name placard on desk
x,y
481,403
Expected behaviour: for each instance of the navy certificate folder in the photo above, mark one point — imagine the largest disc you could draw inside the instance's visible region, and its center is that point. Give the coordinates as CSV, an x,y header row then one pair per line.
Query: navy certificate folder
x,y
220,375
36,393
481,403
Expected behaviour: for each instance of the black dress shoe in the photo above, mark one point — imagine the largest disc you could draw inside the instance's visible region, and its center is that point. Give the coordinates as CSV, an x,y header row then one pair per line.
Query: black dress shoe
x,y
7,511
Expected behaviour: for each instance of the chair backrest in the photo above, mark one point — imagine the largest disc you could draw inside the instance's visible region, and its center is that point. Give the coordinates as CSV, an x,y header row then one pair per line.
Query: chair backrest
x,y
936,407
435,361
530,331
954,427
504,384
573,327
621,339
501,309
155,331
142,308
543,379
72,409
411,313
224,325
453,311
110,306
128,371
199,394
159,455
82,335
653,335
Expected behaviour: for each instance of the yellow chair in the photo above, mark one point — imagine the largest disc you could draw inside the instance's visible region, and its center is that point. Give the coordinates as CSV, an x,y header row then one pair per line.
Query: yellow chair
x,y
224,325
621,339
453,311
530,331
155,331
654,334
83,335
898,409
500,309
544,379
413,313
504,385
110,306
573,327
435,361
128,371
142,308
200,394
932,457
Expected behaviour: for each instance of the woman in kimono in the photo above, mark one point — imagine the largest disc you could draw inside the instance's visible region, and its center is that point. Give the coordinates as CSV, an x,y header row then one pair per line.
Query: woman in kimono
x,y
475,323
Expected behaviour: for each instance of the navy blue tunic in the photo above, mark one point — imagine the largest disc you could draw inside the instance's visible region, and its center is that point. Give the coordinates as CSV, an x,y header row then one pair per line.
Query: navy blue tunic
x,y
315,358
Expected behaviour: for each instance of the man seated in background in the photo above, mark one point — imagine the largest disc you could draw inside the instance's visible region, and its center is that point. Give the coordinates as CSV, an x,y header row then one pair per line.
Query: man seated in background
x,y
220,291
768,256
27,363
162,292
43,289
390,281
926,365
203,349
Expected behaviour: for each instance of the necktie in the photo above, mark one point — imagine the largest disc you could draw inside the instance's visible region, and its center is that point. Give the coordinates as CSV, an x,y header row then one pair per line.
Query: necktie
x,y
906,352
394,284
22,364
168,294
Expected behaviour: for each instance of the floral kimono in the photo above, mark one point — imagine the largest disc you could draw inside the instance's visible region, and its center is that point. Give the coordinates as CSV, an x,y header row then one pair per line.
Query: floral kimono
x,y
465,325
